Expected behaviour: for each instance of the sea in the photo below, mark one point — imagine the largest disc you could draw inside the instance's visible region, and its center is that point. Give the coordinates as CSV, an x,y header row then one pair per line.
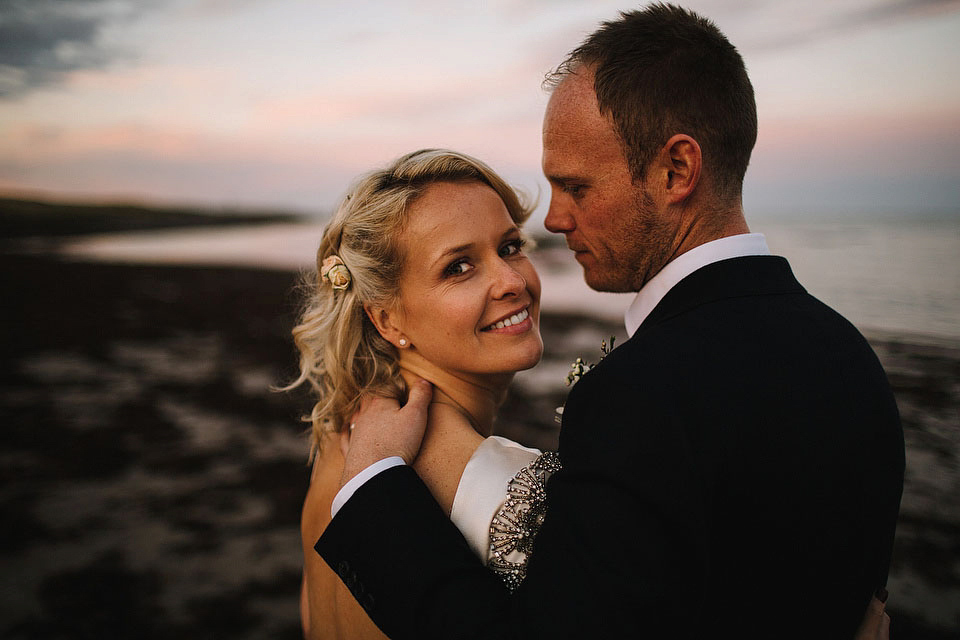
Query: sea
x,y
889,274
899,275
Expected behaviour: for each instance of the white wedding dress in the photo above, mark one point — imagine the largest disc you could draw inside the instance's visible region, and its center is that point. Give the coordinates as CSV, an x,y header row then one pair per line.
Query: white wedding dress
x,y
501,502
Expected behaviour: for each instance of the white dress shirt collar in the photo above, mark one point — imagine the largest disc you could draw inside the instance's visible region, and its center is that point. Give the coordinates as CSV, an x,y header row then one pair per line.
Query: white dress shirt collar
x,y
745,244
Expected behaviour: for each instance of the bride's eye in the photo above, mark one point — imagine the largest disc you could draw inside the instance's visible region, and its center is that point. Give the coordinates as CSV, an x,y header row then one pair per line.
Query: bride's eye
x,y
458,268
512,248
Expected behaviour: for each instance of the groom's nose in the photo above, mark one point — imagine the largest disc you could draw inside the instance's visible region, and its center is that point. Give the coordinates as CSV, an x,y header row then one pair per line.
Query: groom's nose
x,y
559,219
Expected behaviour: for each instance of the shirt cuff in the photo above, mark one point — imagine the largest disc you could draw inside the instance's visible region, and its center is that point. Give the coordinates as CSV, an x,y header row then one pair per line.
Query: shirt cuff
x,y
357,481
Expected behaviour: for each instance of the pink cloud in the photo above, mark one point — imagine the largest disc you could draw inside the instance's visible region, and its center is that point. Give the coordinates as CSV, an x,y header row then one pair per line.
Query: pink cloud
x,y
865,143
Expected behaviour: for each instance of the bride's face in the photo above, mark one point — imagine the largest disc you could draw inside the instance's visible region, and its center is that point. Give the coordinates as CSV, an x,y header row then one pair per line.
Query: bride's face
x,y
469,296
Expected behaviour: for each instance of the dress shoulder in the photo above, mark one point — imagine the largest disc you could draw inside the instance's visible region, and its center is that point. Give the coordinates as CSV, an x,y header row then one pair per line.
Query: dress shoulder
x,y
515,526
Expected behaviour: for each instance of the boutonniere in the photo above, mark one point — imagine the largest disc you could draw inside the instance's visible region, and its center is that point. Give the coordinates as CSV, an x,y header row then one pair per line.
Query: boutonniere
x,y
578,368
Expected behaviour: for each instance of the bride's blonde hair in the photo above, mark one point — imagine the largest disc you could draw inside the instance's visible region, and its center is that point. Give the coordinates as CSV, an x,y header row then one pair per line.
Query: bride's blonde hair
x,y
342,355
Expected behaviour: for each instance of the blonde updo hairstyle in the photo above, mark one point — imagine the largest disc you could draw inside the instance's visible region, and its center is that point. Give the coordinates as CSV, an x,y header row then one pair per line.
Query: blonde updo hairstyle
x,y
342,355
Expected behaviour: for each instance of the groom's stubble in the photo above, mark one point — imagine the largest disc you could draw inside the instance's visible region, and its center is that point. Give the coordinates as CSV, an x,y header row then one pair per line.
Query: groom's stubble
x,y
643,246
652,239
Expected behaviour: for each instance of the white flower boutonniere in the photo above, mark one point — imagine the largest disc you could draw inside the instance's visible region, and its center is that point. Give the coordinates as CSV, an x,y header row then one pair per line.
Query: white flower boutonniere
x,y
579,367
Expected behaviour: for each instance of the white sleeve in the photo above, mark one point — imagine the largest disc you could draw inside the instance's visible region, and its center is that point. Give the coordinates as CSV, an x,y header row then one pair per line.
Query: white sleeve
x,y
483,489
357,481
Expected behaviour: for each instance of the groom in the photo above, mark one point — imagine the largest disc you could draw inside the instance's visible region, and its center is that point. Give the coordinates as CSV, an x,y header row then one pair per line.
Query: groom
x,y
734,467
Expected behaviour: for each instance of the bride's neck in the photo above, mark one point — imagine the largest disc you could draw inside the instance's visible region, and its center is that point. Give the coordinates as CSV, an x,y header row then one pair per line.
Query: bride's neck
x,y
476,397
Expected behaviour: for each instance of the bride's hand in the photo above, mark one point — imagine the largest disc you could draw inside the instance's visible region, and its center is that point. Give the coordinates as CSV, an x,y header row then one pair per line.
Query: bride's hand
x,y
382,428
876,622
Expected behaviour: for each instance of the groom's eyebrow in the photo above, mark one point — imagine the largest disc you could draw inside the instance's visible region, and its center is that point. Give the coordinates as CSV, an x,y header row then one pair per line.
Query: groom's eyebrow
x,y
559,178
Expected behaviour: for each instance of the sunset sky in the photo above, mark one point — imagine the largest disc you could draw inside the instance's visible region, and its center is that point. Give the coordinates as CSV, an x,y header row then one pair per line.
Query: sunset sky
x,y
280,103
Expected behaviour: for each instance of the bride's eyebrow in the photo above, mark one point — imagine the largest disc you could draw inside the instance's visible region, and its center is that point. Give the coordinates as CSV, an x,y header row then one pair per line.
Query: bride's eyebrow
x,y
452,251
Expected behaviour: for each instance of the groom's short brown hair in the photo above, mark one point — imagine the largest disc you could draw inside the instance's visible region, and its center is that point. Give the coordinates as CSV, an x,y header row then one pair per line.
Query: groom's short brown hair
x,y
664,70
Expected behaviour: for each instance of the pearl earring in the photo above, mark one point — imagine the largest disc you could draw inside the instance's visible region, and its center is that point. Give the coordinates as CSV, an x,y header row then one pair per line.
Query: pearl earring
x,y
403,342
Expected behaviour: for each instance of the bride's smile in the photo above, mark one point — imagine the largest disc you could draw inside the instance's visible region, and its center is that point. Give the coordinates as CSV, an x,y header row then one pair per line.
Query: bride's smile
x,y
514,323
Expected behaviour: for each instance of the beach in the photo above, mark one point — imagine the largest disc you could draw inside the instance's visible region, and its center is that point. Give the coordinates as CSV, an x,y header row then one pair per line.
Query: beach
x,y
152,479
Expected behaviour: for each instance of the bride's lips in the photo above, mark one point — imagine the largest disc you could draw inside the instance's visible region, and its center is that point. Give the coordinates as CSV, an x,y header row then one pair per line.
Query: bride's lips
x,y
512,323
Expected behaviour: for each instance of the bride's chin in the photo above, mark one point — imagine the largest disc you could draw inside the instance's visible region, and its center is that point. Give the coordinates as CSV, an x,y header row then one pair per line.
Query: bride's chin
x,y
531,360
520,358
530,366
520,364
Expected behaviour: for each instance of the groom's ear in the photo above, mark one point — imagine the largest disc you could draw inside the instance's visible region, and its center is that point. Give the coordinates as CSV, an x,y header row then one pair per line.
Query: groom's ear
x,y
680,161
386,322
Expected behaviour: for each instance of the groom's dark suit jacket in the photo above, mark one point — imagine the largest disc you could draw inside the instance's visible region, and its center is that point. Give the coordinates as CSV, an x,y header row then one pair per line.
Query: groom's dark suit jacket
x,y
734,468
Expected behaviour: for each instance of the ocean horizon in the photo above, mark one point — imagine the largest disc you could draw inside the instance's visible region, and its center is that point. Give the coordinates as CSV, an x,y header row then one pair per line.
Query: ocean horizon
x,y
895,274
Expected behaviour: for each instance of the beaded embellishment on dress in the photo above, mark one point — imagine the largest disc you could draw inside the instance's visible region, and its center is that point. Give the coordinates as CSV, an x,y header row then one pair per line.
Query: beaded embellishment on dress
x,y
518,521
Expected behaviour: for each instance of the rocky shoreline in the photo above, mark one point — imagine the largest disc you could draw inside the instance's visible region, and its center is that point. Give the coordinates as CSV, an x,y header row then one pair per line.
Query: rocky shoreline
x,y
152,481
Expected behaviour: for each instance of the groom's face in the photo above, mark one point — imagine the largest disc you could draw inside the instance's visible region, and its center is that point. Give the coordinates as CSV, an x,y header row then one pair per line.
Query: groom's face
x,y
610,222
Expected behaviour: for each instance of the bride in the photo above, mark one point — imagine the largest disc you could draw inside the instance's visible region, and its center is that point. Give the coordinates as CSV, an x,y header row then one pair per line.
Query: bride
x,y
422,274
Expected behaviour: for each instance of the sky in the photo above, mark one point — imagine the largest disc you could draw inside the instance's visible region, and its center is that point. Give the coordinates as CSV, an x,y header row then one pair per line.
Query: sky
x,y
280,104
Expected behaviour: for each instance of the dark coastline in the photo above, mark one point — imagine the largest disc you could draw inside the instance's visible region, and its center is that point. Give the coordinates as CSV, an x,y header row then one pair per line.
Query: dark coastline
x,y
152,482
32,219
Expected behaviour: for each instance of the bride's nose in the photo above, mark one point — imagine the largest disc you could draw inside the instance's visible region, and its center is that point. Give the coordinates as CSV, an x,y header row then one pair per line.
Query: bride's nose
x,y
507,281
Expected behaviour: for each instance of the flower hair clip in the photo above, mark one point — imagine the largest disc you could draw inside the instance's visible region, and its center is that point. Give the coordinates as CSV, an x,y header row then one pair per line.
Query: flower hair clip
x,y
335,272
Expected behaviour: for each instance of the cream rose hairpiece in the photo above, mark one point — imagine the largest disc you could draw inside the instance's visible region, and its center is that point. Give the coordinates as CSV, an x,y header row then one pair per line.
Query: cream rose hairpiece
x,y
335,272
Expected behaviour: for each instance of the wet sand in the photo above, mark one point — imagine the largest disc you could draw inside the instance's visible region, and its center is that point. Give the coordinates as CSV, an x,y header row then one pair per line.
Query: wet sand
x,y
152,482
